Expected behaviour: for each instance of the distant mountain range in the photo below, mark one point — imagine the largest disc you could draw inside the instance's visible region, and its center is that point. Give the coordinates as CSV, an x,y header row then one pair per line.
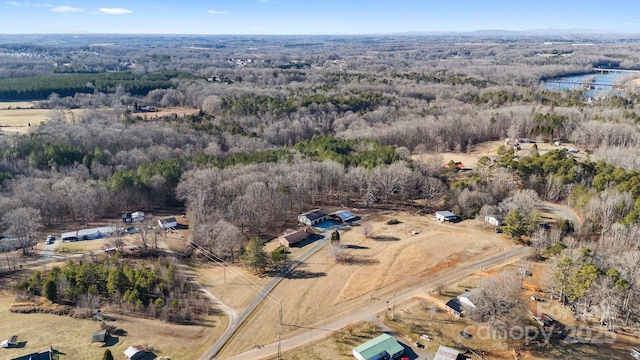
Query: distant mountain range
x,y
499,32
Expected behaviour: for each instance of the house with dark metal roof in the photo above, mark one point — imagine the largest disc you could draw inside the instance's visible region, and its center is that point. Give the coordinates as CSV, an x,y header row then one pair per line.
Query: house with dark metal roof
x,y
382,347
313,217
454,307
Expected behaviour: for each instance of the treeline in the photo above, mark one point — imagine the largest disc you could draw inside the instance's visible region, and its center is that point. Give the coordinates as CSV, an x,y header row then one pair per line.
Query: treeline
x,y
151,288
41,87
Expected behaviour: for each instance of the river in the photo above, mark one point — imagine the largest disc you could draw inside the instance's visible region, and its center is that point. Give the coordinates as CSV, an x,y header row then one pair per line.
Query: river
x,y
574,81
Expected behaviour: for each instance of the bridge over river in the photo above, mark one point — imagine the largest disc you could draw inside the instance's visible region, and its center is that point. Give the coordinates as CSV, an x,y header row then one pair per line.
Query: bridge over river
x,y
586,85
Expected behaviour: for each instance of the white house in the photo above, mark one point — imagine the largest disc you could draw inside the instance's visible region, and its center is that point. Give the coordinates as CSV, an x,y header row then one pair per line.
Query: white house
x,y
167,223
445,215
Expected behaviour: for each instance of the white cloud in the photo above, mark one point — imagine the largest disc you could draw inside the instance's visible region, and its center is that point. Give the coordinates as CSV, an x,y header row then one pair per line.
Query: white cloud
x,y
217,12
114,11
19,4
65,9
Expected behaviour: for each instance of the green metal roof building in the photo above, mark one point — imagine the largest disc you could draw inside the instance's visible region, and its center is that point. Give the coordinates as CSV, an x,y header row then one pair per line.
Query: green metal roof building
x,y
382,347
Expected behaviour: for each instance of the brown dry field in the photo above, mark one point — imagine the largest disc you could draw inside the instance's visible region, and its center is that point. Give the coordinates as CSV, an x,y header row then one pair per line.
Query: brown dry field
x,y
15,105
320,290
489,149
14,120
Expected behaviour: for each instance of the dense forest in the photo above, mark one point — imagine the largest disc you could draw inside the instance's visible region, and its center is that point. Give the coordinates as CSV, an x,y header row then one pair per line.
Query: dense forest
x,y
290,123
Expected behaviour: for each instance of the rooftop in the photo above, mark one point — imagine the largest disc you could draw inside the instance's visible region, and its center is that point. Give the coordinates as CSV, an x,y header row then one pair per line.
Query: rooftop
x,y
315,214
378,345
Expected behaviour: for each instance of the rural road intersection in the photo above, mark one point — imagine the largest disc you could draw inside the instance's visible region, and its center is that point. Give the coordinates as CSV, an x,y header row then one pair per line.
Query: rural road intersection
x,y
324,330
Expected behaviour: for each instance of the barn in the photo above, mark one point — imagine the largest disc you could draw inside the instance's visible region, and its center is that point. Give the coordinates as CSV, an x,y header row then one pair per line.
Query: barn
x,y
343,216
291,237
313,217
445,215
382,347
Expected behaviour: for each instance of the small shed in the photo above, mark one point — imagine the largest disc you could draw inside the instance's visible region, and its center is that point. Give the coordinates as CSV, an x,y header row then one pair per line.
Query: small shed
x,y
99,336
493,220
382,347
454,307
137,216
135,352
167,223
291,237
445,215
343,216
313,217
446,353
10,342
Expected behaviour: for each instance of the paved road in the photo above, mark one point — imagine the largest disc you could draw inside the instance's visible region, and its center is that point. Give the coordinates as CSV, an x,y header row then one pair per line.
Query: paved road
x,y
324,330
233,326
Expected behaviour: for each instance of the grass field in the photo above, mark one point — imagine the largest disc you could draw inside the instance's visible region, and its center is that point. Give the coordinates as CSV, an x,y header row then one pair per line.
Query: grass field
x,y
71,337
15,105
18,120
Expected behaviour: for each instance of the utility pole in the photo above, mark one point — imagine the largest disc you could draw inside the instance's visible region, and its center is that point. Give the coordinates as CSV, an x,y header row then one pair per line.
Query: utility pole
x,y
279,358
280,314
393,312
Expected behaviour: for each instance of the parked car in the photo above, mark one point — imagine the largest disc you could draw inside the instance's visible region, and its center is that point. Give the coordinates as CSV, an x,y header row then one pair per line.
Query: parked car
x,y
498,230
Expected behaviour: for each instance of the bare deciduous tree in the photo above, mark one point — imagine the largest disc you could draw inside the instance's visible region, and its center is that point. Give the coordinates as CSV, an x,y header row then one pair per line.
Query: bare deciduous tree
x,y
24,224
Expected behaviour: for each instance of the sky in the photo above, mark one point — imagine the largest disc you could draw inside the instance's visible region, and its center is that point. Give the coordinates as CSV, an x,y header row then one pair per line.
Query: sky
x,y
313,17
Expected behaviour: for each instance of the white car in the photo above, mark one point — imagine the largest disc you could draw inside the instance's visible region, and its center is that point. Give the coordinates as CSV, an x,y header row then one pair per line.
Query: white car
x,y
50,240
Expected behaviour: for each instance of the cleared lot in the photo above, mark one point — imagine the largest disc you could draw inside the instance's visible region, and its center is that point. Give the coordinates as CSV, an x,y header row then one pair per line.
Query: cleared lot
x,y
393,258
